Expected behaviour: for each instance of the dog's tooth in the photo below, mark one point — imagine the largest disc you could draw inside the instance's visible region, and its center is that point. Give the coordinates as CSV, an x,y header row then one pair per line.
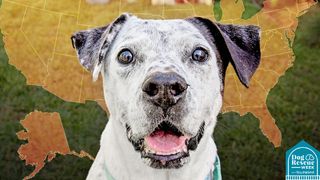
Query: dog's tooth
x,y
148,161
181,161
185,149
152,151
184,160
163,162
147,150
130,133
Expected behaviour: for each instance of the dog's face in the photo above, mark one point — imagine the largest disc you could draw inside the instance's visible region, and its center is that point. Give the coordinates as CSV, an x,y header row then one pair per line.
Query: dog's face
x,y
163,79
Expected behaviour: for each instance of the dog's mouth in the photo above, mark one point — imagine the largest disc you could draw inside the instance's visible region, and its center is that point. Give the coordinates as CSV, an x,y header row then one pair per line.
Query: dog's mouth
x,y
166,146
166,139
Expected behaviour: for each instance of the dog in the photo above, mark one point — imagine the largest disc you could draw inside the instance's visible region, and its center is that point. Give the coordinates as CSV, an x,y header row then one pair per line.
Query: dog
x,y
157,2
163,83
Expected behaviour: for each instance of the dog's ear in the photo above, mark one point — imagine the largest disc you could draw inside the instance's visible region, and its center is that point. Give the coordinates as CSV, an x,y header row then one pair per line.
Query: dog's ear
x,y
237,44
93,44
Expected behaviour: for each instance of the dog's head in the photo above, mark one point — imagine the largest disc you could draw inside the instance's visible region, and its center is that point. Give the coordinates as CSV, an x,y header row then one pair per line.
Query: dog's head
x,y
163,79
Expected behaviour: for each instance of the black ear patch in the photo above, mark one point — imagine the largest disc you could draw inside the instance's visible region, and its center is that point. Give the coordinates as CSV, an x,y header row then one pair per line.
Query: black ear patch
x,y
78,40
87,44
90,43
237,44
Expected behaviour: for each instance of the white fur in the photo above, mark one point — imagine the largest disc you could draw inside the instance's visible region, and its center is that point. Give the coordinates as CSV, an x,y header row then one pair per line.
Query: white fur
x,y
122,91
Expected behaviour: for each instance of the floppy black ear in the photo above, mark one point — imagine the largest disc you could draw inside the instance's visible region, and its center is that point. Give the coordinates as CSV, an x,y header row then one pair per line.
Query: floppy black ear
x,y
237,44
92,44
87,44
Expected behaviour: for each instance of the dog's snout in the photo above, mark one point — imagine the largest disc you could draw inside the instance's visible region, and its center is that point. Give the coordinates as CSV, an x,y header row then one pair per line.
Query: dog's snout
x,y
164,89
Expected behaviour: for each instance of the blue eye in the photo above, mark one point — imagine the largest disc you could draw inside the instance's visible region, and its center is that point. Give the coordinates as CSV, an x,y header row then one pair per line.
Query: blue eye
x,y
200,54
125,56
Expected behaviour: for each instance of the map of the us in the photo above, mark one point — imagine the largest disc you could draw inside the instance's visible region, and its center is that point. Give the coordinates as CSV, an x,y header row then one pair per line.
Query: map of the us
x,y
37,41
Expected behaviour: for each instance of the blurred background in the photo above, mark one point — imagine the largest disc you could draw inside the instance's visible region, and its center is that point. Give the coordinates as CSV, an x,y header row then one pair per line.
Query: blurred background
x,y
244,151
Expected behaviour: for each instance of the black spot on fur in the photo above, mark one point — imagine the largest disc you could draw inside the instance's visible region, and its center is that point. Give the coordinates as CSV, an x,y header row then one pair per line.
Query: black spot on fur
x,y
237,44
88,42
78,41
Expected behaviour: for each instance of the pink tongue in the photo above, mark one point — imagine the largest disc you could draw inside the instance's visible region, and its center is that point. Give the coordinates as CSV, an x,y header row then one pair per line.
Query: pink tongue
x,y
165,143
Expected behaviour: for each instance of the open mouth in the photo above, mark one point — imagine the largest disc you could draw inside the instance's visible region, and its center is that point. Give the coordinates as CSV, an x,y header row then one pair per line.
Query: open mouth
x,y
166,146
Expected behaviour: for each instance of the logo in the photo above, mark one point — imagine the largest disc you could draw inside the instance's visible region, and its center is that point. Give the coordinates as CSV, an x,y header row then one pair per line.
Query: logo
x,y
302,162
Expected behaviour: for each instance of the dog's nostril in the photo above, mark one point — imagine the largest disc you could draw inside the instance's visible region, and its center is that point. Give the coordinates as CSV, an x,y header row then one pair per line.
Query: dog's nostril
x,y
176,89
151,89
164,89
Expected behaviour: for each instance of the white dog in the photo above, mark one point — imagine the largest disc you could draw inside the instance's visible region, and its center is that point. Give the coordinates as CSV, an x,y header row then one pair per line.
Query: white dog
x,y
163,84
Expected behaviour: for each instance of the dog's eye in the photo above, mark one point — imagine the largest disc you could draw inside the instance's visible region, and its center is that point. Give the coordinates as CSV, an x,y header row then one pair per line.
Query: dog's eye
x,y
200,54
125,56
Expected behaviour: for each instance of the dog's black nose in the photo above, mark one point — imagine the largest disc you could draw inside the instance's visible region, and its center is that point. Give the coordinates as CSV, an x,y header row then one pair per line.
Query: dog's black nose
x,y
164,89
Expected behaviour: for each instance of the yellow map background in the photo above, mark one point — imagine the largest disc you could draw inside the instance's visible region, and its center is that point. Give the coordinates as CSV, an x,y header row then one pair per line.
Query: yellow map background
x,y
37,41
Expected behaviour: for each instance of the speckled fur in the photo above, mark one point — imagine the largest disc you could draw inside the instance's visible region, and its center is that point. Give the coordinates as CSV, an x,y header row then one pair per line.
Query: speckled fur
x,y
159,46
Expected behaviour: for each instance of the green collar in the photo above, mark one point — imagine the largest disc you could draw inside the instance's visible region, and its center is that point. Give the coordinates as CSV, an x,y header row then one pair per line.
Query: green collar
x,y
215,175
